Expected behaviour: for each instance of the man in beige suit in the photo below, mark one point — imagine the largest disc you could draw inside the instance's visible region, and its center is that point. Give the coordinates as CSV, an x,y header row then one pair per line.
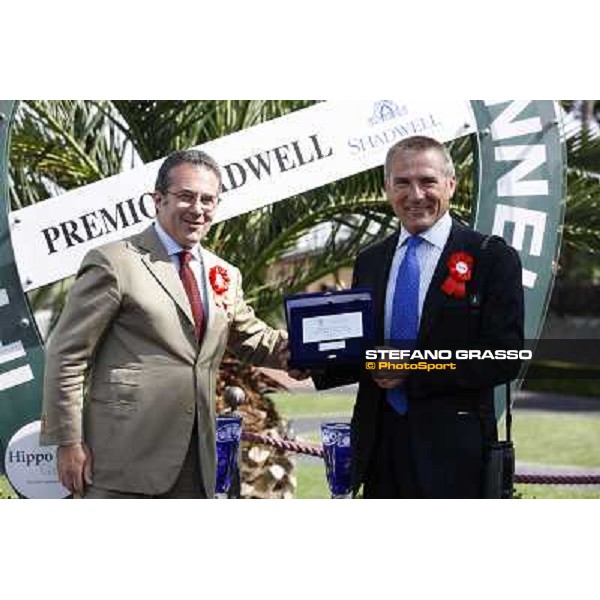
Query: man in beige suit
x,y
141,337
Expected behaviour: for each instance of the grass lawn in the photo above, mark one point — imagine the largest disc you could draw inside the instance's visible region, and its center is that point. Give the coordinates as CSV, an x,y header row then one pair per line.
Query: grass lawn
x,y
5,490
558,492
312,485
540,437
311,481
557,439
293,406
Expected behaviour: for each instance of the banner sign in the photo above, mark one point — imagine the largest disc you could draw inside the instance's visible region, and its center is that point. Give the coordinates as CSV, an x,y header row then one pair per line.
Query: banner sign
x,y
261,165
521,190
519,175
30,468
521,183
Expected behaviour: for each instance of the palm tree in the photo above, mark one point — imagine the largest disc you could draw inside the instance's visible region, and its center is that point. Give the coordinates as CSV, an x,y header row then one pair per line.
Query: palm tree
x,y
579,269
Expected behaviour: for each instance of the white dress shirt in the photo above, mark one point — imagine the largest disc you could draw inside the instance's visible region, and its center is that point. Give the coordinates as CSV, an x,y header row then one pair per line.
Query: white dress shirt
x,y
196,264
428,255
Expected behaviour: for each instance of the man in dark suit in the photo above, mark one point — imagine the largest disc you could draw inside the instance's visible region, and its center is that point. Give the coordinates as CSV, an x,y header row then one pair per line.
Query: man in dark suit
x,y
438,285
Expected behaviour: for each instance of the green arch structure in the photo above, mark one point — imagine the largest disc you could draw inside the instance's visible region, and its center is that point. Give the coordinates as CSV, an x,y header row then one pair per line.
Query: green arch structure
x,y
21,346
520,198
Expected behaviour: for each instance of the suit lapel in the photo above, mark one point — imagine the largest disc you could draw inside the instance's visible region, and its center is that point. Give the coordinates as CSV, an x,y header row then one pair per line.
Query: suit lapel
x,y
380,282
435,297
158,262
210,309
217,319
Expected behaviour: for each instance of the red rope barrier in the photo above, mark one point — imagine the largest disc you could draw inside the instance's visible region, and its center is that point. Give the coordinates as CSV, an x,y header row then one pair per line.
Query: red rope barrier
x,y
548,479
284,444
525,478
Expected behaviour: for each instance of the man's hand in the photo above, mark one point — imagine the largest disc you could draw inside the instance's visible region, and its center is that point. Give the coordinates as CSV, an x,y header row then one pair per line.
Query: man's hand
x,y
298,374
388,383
388,379
284,355
74,463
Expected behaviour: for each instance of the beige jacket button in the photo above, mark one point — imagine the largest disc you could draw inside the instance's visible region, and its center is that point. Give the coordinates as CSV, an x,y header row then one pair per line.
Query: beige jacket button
x,y
189,409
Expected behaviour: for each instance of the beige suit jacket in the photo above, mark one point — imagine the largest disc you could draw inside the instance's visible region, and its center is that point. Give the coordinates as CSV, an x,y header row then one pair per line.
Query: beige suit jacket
x,y
125,373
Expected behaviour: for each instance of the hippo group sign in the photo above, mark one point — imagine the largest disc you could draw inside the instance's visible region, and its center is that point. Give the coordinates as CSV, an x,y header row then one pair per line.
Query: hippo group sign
x,y
519,177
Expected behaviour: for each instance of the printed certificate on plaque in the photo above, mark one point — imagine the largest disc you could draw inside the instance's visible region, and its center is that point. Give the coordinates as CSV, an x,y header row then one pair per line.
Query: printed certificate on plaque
x,y
329,327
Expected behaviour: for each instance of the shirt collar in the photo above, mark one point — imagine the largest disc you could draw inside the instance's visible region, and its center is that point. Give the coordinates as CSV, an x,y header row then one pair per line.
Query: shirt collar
x,y
437,235
171,246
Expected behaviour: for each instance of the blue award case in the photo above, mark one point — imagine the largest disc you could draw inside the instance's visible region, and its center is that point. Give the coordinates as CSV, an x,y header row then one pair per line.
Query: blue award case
x,y
302,310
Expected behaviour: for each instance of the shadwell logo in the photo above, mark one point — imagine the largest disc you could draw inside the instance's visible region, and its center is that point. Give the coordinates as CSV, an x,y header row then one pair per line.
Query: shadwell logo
x,y
386,110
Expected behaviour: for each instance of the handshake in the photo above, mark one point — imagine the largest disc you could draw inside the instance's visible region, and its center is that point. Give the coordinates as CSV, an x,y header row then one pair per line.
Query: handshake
x,y
283,357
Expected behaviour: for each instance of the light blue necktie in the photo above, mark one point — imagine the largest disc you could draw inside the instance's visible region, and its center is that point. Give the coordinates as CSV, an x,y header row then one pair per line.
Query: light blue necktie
x,y
405,314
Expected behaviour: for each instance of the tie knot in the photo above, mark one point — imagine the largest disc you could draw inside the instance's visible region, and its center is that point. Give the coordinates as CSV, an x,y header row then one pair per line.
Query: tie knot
x,y
414,241
185,256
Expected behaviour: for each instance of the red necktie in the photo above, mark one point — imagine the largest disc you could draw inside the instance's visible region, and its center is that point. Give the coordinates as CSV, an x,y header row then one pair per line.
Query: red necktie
x,y
191,288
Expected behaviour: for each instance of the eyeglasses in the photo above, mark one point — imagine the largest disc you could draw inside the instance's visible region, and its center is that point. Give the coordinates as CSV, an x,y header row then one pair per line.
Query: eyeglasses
x,y
207,202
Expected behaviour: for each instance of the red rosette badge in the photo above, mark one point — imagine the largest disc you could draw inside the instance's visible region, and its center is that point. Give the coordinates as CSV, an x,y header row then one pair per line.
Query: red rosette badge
x,y
219,280
460,265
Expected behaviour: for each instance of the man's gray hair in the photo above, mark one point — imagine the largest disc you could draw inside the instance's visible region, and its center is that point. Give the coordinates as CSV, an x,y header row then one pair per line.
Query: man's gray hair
x,y
420,143
192,157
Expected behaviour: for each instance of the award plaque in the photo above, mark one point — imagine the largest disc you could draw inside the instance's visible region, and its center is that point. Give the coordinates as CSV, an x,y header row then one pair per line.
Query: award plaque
x,y
329,327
